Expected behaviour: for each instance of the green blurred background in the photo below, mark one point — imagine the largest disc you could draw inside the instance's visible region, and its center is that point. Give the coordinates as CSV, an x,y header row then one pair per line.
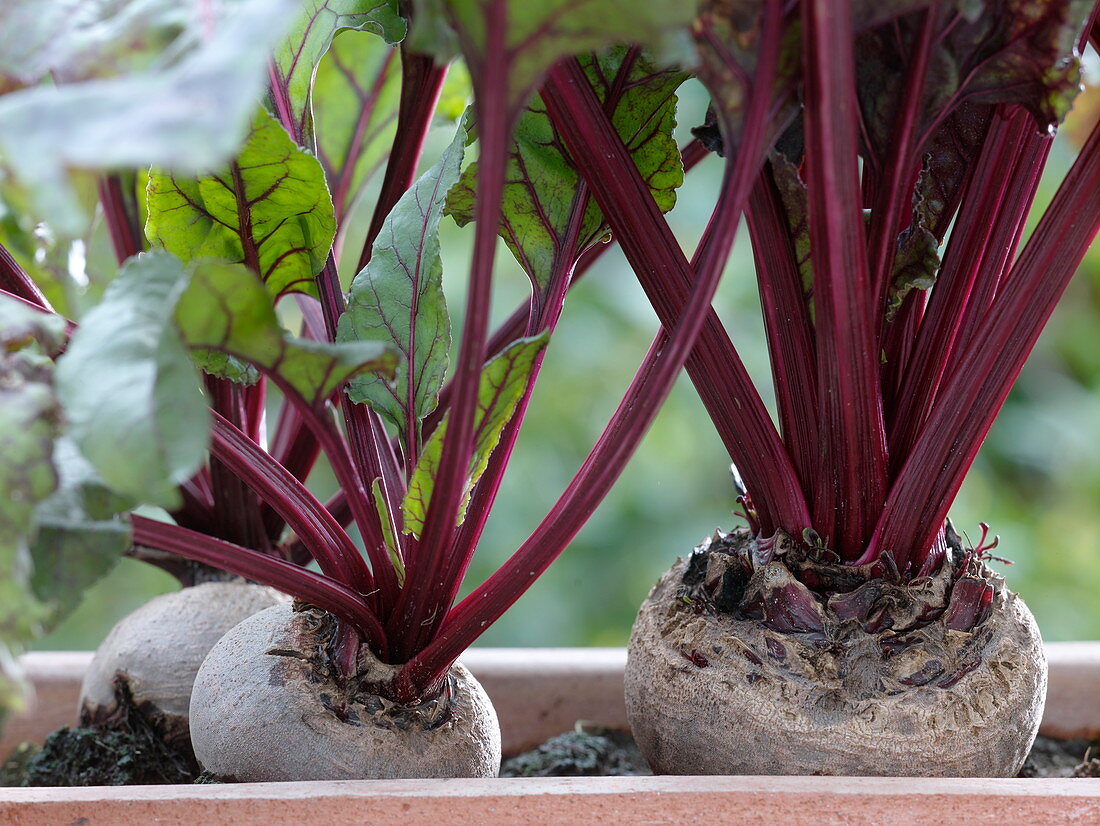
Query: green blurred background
x,y
1037,480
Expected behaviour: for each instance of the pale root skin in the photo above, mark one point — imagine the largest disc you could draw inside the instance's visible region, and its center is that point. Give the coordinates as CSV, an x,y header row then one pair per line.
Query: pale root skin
x,y
158,649
266,708
842,710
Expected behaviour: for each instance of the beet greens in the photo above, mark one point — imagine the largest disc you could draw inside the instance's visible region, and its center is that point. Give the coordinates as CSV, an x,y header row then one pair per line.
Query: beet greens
x,y
855,136
211,249
889,125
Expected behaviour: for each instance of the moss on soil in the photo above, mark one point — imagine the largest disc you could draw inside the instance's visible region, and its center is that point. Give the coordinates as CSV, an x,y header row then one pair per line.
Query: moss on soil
x,y
584,752
1060,758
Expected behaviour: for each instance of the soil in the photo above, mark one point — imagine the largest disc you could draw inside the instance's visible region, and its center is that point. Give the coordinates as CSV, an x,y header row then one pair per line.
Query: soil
x,y
128,750
590,751
86,757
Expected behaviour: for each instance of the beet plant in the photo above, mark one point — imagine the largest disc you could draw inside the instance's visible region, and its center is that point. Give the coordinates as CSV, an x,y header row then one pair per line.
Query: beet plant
x,y
226,165
849,629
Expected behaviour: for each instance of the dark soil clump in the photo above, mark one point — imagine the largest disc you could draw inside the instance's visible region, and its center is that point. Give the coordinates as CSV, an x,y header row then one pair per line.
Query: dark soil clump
x,y
130,752
588,751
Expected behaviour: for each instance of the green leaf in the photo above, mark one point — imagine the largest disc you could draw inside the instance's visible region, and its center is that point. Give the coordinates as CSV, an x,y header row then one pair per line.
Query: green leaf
x,y
269,210
79,39
454,98
187,117
388,534
29,417
297,57
540,194
23,326
503,382
33,590
399,297
130,392
355,99
80,535
537,34
226,308
225,366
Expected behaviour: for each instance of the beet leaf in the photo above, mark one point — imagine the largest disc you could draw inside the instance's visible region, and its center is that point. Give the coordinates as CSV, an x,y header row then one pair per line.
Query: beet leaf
x,y
399,297
187,117
296,58
355,98
129,389
503,382
269,210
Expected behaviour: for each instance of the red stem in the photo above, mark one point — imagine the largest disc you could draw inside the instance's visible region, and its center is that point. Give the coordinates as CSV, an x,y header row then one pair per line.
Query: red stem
x,y
237,512
424,573
313,588
358,469
895,189
484,494
15,281
1024,178
850,484
720,378
605,462
975,392
421,82
120,211
294,448
366,436
663,362
786,324
314,525
974,258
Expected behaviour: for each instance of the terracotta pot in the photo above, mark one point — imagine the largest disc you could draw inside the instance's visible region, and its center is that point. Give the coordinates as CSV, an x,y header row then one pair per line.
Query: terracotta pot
x,y
539,693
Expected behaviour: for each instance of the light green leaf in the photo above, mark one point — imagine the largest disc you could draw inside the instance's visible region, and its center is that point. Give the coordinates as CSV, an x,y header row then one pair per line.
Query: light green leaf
x,y
454,97
130,392
227,308
225,366
540,196
389,535
300,52
187,117
269,210
503,382
355,98
537,34
398,297
29,450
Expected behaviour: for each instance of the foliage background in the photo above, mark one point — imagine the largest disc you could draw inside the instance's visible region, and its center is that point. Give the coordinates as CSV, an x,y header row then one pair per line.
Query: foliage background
x,y
1037,480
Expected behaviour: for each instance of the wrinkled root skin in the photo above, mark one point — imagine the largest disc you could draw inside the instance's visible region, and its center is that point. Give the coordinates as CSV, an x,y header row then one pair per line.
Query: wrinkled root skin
x,y
709,693
156,651
267,706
